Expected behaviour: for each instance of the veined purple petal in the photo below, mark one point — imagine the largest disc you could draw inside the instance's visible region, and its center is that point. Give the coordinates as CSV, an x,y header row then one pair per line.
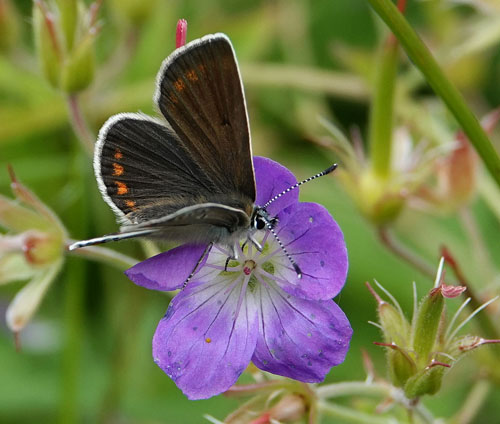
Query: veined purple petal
x,y
272,178
168,270
298,338
200,345
316,243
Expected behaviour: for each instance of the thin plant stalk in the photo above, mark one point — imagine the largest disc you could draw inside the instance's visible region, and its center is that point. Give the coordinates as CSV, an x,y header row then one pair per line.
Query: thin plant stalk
x,y
396,247
425,62
79,124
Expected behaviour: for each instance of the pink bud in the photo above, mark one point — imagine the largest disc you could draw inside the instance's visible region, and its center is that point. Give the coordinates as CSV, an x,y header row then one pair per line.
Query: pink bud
x,y
450,291
181,33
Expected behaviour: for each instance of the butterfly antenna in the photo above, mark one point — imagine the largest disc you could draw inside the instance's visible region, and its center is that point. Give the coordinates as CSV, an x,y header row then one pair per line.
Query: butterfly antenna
x,y
325,172
110,237
294,264
205,253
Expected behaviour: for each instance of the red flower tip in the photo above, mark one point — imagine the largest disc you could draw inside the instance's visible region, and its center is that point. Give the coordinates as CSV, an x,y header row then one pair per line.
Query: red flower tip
x,y
450,291
181,33
437,363
374,294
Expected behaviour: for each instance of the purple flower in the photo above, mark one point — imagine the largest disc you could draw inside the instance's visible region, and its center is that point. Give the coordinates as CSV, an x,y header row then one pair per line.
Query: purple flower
x,y
258,310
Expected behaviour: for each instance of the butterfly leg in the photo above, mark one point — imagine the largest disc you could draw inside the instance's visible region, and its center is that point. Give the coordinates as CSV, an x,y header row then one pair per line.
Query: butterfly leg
x,y
257,245
205,253
234,255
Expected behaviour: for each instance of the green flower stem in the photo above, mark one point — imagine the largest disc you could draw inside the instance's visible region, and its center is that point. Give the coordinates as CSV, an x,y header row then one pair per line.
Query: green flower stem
x,y
351,415
104,255
74,311
349,388
362,388
395,246
480,251
424,61
490,194
73,336
79,124
381,114
305,78
475,399
132,302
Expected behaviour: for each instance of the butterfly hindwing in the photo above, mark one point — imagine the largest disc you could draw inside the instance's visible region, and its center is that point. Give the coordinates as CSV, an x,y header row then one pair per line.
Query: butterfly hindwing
x,y
145,173
201,95
205,222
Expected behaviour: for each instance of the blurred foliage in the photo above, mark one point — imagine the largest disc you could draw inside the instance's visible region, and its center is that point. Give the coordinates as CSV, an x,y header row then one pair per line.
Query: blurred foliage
x,y
86,357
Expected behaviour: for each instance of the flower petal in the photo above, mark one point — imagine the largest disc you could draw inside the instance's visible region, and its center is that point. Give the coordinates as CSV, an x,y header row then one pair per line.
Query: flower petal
x,y
298,338
316,243
273,178
200,345
168,270
28,299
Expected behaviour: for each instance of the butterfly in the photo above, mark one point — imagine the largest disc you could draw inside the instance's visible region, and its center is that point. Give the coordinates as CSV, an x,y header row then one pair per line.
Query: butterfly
x,y
186,176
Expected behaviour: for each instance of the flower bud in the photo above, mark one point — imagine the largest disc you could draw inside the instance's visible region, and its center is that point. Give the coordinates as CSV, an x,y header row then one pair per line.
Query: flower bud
x,y
78,71
418,361
64,38
396,328
290,408
47,44
426,325
9,25
401,365
426,382
456,172
33,250
378,199
68,15
27,300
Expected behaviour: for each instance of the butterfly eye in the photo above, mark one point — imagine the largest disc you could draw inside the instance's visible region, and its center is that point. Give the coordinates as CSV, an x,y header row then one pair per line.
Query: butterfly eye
x,y
260,223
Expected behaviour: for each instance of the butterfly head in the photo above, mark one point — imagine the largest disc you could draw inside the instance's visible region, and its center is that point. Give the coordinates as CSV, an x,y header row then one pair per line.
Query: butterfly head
x,y
261,219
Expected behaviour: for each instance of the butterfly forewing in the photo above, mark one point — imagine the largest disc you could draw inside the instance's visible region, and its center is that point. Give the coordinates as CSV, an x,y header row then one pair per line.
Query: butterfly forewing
x,y
191,176
200,94
140,161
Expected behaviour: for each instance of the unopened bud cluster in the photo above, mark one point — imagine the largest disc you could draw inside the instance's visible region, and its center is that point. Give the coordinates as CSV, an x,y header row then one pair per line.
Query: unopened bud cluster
x,y
419,352
31,249
65,33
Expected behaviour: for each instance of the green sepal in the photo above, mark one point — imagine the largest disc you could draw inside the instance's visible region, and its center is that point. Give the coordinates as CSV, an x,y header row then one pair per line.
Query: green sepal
x,y
425,382
426,325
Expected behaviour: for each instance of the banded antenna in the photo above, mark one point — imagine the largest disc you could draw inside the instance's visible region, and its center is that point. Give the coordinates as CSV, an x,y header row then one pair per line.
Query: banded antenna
x,y
110,237
292,261
289,189
270,226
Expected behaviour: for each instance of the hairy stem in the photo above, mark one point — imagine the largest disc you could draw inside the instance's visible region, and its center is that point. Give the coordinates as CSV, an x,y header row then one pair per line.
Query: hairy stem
x,y
396,247
79,124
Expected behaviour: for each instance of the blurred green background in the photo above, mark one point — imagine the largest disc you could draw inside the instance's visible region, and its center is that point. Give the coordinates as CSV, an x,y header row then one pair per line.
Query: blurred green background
x,y
86,356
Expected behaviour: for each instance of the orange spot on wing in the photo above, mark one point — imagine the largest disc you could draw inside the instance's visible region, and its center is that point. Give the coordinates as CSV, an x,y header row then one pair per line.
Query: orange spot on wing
x,y
191,75
130,203
208,340
117,170
121,188
179,85
201,68
118,154
173,99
